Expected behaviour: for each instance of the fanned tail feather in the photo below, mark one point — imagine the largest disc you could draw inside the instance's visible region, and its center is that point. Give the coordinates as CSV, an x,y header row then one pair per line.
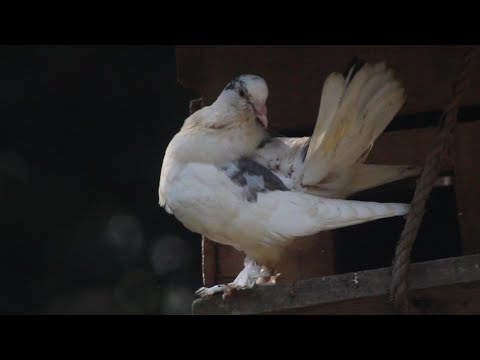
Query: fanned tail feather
x,y
354,110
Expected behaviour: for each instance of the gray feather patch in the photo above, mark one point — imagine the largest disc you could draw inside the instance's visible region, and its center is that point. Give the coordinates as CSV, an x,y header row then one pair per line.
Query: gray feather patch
x,y
269,135
252,177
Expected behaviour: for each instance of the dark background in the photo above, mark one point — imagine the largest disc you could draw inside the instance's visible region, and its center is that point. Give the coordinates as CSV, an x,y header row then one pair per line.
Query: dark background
x,y
82,137
83,133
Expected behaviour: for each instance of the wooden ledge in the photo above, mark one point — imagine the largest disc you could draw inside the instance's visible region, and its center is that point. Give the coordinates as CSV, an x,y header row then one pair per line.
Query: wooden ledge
x,y
445,286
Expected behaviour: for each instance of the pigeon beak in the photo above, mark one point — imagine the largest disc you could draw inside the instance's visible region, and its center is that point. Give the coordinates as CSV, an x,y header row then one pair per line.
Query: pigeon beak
x,y
261,113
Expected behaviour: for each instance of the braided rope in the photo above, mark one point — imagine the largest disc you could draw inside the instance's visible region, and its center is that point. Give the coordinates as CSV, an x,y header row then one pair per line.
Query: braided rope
x,y
438,154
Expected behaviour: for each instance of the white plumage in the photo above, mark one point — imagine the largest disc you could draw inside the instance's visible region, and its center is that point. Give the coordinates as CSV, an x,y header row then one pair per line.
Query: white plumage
x,y
224,175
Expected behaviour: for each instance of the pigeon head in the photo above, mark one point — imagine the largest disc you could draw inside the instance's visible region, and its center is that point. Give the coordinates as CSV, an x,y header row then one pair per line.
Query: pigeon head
x,y
248,93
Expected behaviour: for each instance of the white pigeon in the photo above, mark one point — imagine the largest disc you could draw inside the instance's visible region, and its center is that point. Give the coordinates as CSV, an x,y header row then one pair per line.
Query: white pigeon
x,y
226,177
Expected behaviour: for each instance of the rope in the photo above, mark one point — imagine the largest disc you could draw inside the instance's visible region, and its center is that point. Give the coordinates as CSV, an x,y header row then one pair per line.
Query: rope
x,y
433,163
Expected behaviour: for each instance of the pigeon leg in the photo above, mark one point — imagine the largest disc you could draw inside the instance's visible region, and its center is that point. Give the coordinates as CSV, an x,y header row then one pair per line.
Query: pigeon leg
x,y
246,279
268,280
209,291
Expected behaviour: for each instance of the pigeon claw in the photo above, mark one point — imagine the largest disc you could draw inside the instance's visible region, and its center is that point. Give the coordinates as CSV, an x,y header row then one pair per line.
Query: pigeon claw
x,y
204,291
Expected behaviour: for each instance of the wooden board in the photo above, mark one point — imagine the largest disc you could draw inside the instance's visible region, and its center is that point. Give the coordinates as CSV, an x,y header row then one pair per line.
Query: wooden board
x,y
209,262
295,74
310,257
403,147
467,176
446,286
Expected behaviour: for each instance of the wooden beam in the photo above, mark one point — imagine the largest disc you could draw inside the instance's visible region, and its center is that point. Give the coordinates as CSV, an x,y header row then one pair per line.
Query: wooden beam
x,y
209,262
308,257
403,147
295,74
467,184
446,286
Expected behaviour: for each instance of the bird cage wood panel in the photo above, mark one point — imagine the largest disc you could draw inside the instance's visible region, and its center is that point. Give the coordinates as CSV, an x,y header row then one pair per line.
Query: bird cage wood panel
x,y
295,75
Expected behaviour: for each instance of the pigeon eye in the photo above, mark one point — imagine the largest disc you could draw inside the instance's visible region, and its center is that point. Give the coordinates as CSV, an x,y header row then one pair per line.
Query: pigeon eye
x,y
242,93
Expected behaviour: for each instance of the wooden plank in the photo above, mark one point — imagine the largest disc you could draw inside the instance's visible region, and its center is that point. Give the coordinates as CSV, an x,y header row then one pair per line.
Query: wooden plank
x,y
403,147
455,299
309,257
295,74
209,262
467,177
446,286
